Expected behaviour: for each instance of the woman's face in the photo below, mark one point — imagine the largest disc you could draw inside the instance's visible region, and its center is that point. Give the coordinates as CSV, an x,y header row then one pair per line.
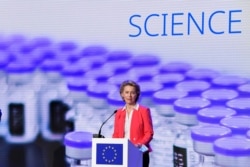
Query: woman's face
x,y
129,95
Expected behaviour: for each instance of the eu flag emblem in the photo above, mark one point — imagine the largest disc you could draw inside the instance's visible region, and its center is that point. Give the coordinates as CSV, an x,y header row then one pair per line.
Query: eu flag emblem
x,y
110,154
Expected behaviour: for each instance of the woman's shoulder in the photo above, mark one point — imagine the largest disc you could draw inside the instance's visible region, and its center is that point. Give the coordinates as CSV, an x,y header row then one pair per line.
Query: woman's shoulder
x,y
120,110
142,107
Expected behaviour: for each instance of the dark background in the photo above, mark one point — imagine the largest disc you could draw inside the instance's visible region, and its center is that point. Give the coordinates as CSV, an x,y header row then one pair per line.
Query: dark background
x,y
40,153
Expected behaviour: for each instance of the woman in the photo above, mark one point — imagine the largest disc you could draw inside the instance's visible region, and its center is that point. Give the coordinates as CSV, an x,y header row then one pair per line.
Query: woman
x,y
134,121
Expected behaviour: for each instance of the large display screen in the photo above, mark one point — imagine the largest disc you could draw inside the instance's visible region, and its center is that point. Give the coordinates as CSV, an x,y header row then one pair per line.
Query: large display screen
x,y
56,63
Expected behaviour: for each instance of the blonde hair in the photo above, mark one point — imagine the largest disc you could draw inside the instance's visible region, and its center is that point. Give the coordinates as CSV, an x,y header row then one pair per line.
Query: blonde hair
x,y
133,84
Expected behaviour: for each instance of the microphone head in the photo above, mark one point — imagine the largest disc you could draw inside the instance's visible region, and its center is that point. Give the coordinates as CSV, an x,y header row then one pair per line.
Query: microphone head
x,y
98,136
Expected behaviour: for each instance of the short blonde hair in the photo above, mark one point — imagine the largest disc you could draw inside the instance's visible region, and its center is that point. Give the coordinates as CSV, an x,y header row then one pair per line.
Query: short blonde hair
x,y
133,84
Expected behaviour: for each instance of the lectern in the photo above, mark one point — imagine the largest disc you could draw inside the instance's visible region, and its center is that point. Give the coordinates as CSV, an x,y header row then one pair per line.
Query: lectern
x,y
115,152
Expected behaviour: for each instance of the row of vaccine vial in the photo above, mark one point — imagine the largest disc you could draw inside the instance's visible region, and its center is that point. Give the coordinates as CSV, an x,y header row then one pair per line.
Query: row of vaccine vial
x,y
195,103
51,88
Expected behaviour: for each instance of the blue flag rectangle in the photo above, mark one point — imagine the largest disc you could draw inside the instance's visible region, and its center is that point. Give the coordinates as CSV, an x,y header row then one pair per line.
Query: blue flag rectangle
x,y
111,154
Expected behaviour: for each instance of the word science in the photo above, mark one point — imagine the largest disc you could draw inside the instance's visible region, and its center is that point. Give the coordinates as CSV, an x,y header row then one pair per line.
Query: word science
x,y
218,22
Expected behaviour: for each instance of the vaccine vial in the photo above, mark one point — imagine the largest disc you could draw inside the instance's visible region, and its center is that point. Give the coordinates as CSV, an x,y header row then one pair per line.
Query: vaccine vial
x,y
238,124
94,55
13,42
97,93
248,134
214,114
203,138
166,127
244,90
52,97
180,67
168,80
203,74
193,87
164,99
148,88
22,115
77,87
118,61
67,51
78,145
4,61
79,102
241,105
99,74
144,67
41,42
220,96
186,109
228,81
73,75
117,79
232,151
114,101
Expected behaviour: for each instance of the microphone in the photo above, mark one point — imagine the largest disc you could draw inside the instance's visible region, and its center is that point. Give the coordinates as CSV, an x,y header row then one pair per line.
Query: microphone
x,y
99,133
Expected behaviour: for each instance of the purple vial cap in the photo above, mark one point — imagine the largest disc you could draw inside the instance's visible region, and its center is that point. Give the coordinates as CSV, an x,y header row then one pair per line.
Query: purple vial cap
x,y
244,90
193,87
78,139
72,70
20,67
122,67
100,90
25,48
48,54
232,146
169,79
16,38
94,50
202,74
143,74
148,88
145,60
4,44
119,78
118,67
77,83
119,55
52,65
214,114
176,67
209,133
219,96
229,81
4,59
72,57
168,96
99,74
41,42
27,58
241,105
248,134
190,105
37,58
114,98
67,46
238,124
